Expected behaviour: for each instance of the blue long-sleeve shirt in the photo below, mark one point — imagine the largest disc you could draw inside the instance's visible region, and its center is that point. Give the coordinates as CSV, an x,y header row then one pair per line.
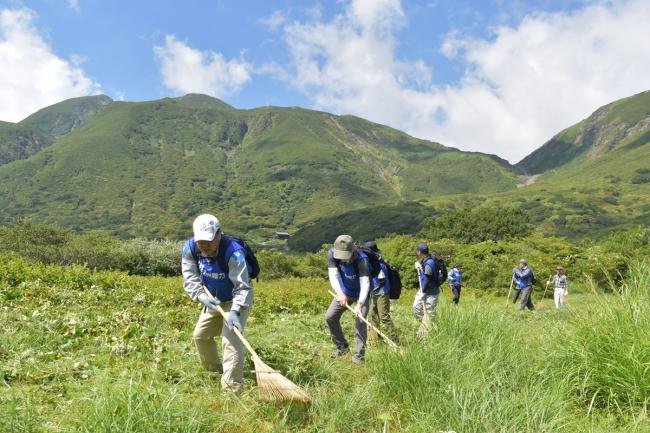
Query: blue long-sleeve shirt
x,y
523,277
455,277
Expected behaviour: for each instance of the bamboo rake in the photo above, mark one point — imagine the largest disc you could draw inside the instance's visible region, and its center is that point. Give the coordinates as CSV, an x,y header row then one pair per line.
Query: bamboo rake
x,y
541,303
512,281
390,342
271,385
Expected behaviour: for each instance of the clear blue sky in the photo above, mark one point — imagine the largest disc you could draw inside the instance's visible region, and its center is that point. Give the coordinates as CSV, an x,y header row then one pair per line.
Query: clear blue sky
x,y
445,70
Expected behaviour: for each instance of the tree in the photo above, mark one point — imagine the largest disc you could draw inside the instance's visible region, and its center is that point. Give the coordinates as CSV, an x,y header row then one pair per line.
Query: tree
x,y
478,225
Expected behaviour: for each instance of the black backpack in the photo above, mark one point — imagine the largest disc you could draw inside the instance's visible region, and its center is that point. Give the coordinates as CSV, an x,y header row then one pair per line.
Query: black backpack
x,y
442,268
249,254
374,259
395,282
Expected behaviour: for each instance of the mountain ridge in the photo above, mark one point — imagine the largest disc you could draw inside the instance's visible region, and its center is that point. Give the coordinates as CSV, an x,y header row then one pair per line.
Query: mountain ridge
x,y
264,168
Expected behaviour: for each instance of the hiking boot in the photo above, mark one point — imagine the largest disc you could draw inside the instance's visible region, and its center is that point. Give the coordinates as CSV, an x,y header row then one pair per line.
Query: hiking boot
x,y
358,359
340,351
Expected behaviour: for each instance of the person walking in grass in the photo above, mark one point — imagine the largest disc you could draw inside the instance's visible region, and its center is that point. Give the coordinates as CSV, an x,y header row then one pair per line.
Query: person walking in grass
x,y
561,287
455,279
379,310
216,261
426,299
524,278
349,276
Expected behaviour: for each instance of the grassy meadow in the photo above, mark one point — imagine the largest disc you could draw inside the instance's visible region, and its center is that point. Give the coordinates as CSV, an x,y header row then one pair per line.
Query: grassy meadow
x,y
104,351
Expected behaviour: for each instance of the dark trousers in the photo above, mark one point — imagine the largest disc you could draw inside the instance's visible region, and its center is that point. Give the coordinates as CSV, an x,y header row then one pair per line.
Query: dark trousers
x,y
527,298
333,319
455,292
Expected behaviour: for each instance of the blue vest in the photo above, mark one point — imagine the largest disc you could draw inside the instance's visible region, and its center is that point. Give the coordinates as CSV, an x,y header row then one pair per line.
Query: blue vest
x,y
375,281
350,275
522,283
456,277
430,284
214,270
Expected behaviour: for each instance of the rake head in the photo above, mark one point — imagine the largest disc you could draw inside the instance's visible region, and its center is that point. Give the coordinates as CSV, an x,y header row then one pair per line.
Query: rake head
x,y
273,386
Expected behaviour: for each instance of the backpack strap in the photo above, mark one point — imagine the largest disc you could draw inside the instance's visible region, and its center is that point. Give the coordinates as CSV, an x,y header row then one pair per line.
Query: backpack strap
x,y
220,254
435,277
195,255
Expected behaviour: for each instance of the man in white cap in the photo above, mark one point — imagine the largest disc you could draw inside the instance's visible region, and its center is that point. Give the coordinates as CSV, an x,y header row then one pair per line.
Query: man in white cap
x,y
561,287
218,262
349,276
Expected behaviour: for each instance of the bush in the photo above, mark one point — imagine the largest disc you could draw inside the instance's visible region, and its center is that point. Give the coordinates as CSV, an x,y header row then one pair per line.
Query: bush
x,y
52,245
472,225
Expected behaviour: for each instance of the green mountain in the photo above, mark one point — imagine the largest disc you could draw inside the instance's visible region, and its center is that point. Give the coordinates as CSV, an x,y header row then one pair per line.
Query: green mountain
x,y
60,119
41,129
146,169
21,141
607,143
591,178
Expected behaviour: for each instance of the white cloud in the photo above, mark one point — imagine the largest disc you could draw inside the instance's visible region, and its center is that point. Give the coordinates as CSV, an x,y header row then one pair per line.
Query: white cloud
x,y
188,70
74,5
32,76
274,21
520,87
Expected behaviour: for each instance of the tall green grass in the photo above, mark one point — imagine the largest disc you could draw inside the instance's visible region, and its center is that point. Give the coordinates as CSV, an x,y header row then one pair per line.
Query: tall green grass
x,y
85,351
480,371
606,360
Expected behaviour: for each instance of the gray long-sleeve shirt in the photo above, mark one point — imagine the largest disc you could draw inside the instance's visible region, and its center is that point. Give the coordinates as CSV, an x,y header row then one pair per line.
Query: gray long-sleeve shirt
x,y
237,272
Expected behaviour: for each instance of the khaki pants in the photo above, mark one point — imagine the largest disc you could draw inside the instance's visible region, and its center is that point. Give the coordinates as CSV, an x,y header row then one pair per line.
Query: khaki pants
x,y
380,312
210,325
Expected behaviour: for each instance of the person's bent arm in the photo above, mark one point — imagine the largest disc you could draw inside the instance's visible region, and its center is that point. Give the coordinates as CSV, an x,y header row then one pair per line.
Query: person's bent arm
x,y
191,276
238,274
364,281
524,273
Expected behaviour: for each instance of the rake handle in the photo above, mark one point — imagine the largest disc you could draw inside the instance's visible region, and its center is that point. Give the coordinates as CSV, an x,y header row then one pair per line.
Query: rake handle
x,y
237,331
545,289
512,281
390,342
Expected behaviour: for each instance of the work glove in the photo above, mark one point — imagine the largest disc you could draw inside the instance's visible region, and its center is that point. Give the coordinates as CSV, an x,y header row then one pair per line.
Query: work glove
x,y
208,301
418,266
233,320
515,270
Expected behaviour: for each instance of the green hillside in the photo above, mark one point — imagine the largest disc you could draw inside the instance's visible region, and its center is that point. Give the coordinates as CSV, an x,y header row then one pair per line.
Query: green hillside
x,y
146,169
21,141
59,119
614,133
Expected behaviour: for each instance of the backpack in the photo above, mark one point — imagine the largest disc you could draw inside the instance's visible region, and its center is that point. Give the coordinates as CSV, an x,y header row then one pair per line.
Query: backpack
x,y
251,260
374,259
442,268
534,280
395,282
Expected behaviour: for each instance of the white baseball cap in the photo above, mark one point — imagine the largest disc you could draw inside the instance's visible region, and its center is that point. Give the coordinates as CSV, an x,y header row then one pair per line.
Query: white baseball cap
x,y
205,227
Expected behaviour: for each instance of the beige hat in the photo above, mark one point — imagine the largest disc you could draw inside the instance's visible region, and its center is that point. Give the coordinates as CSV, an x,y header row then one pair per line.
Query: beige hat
x,y
343,247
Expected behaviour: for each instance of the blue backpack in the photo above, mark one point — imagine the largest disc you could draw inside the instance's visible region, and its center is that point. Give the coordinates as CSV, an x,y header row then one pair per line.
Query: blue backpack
x,y
251,260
